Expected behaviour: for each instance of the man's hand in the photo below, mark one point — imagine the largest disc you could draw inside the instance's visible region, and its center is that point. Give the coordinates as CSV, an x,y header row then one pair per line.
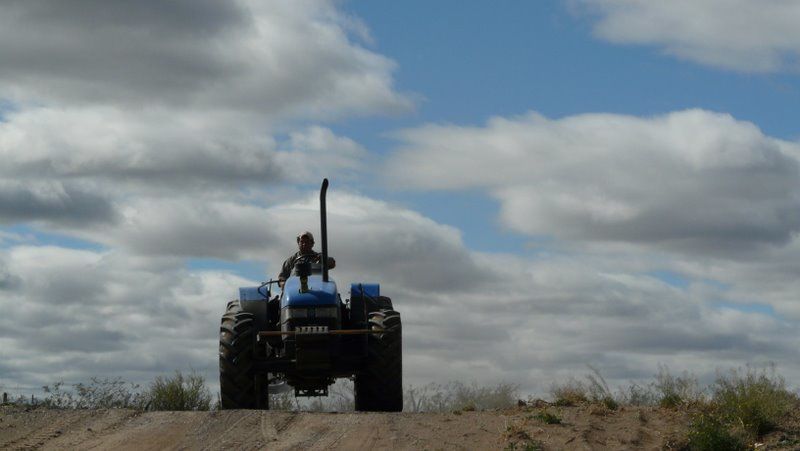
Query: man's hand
x,y
331,261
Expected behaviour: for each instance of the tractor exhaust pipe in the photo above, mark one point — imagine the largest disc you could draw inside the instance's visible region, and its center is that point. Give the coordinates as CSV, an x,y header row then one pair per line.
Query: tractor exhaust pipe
x,y
324,229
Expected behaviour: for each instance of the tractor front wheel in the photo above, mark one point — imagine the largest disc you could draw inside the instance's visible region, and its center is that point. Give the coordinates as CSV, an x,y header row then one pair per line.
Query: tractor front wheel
x,y
238,388
379,386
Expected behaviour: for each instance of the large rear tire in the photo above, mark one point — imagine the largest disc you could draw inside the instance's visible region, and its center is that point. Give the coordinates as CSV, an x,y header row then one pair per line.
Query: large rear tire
x,y
237,384
379,386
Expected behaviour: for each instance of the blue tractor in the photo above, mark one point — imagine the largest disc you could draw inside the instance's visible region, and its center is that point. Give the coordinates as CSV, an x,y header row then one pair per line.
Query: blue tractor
x,y
306,337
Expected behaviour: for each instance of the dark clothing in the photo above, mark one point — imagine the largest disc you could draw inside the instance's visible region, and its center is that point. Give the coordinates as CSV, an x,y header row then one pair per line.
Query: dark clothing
x,y
288,265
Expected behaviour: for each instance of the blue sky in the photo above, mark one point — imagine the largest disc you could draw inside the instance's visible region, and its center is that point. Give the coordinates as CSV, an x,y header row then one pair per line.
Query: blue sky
x,y
591,182
540,56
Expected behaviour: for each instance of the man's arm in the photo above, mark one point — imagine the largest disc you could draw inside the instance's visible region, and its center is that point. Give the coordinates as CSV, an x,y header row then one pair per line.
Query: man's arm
x,y
286,271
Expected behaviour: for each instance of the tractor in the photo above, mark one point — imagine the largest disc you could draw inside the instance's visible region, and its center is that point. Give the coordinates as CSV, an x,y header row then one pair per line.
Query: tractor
x,y
305,337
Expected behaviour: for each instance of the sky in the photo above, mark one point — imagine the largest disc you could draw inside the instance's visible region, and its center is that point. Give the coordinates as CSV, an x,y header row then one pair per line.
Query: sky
x,y
539,186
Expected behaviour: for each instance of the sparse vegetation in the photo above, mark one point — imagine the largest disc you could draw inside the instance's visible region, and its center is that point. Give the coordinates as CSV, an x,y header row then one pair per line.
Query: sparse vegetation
x,y
97,394
674,391
745,405
459,396
525,445
570,393
738,410
548,418
732,414
178,392
517,438
575,392
340,399
708,433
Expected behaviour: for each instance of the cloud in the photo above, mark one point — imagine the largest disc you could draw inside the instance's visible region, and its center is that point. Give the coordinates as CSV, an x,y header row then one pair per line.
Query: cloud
x,y
769,278
155,148
272,59
316,152
117,144
690,181
742,35
374,240
77,314
77,167
136,312
371,239
115,103
188,227
52,202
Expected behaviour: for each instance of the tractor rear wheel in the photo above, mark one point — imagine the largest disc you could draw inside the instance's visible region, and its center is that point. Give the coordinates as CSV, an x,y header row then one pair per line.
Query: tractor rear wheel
x,y
379,386
238,388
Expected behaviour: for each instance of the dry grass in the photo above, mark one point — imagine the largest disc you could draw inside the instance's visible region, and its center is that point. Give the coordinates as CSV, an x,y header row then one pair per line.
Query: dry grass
x,y
574,392
177,392
459,396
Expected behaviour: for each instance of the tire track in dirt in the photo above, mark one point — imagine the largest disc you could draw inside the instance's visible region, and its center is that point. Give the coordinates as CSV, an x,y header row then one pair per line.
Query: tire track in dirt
x,y
582,427
37,438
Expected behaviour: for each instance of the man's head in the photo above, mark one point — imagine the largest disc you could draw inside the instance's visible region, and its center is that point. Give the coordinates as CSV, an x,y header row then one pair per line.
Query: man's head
x,y
305,242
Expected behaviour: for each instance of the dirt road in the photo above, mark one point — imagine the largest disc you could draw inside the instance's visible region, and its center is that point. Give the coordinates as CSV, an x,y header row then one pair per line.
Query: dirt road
x,y
580,428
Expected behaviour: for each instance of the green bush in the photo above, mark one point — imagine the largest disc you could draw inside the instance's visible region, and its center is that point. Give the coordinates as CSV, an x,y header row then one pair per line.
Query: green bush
x,y
547,417
752,400
179,392
708,433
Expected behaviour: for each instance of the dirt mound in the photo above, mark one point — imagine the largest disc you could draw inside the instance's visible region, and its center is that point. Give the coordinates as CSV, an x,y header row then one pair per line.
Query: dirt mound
x,y
583,427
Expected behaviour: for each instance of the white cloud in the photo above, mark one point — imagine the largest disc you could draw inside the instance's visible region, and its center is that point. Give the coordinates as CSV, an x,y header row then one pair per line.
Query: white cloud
x,y
52,201
273,59
135,312
157,135
690,181
317,152
66,166
113,100
77,314
743,35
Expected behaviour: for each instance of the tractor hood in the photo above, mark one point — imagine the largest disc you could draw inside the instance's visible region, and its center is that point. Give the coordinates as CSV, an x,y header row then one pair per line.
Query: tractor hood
x,y
319,293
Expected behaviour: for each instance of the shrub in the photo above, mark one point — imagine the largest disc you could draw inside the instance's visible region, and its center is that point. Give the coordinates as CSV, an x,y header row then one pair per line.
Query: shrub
x,y
708,433
474,397
574,392
637,395
179,393
547,417
752,400
673,391
570,393
97,394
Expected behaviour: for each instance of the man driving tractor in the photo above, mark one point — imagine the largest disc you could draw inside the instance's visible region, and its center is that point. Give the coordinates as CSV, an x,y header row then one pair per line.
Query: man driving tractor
x,y
305,244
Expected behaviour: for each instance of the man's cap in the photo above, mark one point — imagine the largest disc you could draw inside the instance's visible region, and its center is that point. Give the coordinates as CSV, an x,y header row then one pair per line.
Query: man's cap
x,y
306,233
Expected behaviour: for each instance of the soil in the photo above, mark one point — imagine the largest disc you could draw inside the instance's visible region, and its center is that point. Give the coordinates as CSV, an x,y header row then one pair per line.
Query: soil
x,y
583,427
